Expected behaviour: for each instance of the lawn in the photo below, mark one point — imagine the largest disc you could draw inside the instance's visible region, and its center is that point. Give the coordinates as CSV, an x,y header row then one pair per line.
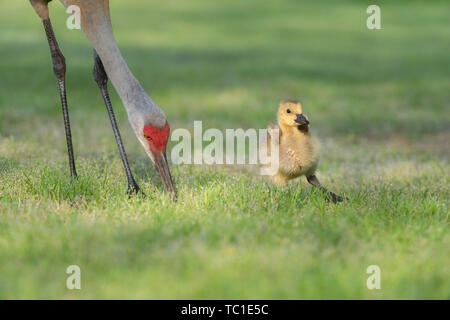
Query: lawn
x,y
378,99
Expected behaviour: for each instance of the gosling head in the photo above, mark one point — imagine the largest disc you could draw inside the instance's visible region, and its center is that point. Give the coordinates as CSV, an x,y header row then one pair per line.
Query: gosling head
x,y
290,114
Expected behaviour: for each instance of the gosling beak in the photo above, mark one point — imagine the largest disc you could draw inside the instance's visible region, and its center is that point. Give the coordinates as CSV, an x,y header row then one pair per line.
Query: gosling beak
x,y
301,120
160,161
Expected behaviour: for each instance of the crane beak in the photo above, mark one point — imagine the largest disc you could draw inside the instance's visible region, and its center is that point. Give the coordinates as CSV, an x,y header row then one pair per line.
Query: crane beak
x,y
162,166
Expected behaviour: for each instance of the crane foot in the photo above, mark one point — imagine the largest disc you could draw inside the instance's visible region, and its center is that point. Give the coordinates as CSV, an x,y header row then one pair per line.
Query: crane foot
x,y
133,189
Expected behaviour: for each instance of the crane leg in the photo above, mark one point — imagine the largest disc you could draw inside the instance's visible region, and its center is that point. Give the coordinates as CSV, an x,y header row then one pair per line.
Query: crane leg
x,y
330,195
102,81
59,68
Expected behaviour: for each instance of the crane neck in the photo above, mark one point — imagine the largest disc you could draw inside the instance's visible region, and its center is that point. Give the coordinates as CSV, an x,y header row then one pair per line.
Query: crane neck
x,y
96,24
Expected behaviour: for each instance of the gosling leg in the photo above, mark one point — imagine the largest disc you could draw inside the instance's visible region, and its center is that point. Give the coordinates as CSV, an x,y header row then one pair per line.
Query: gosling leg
x,y
329,195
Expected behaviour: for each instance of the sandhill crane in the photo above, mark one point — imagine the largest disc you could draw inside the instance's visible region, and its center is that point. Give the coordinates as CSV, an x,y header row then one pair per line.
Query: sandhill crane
x,y
147,120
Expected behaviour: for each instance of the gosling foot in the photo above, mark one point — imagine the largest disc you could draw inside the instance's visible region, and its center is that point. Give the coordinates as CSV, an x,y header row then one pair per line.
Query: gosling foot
x,y
331,196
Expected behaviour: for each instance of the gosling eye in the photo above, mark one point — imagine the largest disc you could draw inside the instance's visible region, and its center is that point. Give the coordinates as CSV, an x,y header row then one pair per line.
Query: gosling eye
x,y
288,110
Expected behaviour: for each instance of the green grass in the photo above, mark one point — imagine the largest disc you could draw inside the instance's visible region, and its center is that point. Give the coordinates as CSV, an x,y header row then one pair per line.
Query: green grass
x,y
379,100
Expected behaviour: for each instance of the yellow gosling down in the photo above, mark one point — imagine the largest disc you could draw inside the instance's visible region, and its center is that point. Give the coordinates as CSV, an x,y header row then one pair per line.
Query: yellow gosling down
x,y
298,151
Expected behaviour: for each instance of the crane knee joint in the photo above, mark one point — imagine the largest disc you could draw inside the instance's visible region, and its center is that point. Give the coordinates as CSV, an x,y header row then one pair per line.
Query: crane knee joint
x,y
99,72
59,64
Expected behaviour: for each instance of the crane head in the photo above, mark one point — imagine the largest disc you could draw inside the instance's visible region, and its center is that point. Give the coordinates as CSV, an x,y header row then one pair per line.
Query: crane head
x,y
157,139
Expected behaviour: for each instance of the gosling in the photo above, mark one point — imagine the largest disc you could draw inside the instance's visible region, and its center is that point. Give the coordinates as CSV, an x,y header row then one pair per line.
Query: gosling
x,y
298,150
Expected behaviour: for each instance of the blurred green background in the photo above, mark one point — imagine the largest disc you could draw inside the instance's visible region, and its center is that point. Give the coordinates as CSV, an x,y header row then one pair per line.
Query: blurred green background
x,y
378,99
